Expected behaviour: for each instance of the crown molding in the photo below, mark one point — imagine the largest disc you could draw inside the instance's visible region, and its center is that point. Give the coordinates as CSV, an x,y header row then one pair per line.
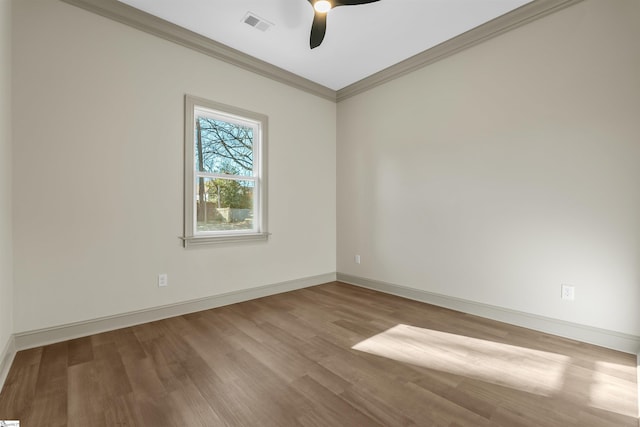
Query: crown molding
x,y
500,25
151,24
148,23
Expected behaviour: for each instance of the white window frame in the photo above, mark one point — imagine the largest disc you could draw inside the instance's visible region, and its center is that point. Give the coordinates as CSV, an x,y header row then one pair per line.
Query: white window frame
x,y
259,122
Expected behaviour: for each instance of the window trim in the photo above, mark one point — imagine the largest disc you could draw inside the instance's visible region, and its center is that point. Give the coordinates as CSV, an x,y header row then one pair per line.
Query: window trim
x,y
190,237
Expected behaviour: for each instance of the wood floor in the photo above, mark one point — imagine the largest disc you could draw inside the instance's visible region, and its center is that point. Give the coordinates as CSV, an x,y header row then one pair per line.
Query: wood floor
x,y
329,355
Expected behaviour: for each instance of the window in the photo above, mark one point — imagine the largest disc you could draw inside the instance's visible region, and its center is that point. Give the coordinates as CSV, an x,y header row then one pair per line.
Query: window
x,y
225,173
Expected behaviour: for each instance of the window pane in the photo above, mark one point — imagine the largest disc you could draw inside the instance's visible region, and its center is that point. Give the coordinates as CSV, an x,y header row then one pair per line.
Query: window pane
x,y
229,204
223,147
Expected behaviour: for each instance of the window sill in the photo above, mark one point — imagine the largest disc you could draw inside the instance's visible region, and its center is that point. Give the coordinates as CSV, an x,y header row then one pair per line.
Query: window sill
x,y
189,241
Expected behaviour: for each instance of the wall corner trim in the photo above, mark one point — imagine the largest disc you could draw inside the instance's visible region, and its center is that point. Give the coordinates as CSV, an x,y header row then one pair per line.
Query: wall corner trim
x,y
6,359
602,337
36,338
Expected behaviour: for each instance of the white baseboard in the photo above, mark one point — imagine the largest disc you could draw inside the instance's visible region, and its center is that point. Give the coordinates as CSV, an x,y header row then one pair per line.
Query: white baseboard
x,y
602,337
6,359
36,338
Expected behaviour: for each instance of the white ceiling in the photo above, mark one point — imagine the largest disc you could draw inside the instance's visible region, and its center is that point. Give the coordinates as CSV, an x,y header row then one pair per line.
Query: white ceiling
x,y
360,41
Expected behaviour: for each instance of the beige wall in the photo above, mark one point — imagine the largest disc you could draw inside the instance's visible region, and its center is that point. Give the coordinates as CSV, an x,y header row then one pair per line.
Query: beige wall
x,y
98,171
6,262
504,171
493,176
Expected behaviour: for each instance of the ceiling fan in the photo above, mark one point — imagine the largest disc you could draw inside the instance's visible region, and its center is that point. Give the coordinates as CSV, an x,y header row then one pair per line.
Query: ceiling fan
x,y
321,8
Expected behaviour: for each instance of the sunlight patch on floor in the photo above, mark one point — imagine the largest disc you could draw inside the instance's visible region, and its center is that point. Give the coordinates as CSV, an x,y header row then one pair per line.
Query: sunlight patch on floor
x,y
605,392
519,368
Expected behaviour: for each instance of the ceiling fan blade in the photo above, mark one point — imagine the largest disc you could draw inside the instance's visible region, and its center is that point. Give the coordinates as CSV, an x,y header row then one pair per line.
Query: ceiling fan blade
x,y
319,26
318,29
337,3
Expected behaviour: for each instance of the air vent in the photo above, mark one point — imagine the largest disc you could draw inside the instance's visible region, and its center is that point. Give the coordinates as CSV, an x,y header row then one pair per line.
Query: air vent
x,y
256,22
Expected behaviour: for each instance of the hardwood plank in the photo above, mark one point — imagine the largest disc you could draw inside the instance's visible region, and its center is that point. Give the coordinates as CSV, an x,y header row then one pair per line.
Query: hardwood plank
x,y
79,351
122,410
49,405
155,412
226,398
170,371
128,345
328,355
110,370
333,410
375,407
85,398
190,408
19,391
143,377
20,385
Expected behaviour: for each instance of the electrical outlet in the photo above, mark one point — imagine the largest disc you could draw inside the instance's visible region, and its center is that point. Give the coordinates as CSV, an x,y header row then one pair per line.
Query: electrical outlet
x,y
356,259
568,292
163,280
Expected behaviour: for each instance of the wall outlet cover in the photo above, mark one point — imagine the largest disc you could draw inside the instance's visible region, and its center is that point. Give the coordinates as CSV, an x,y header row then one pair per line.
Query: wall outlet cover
x,y
163,280
568,292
